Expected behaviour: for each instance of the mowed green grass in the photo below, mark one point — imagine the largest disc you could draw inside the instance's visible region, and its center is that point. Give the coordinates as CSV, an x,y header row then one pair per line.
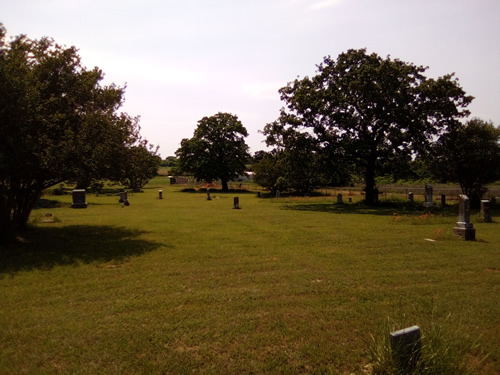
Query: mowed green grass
x,y
281,286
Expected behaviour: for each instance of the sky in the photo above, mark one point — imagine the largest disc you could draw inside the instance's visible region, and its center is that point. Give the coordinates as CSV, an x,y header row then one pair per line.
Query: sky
x,y
182,60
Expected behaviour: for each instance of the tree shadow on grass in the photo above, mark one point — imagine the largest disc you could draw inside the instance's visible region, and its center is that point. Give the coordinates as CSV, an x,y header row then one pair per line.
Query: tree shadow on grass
x,y
383,208
46,247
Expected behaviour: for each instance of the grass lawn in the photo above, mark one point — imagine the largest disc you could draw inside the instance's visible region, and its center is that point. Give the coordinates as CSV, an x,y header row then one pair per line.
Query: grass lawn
x,y
281,286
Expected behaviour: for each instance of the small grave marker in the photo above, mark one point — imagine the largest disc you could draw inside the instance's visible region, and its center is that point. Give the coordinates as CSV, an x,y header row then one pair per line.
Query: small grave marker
x,y
406,346
208,195
236,203
160,194
485,211
123,197
339,198
464,227
410,197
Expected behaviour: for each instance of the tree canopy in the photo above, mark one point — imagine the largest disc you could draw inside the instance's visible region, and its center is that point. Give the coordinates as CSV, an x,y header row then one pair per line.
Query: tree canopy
x,y
217,150
468,155
370,110
58,123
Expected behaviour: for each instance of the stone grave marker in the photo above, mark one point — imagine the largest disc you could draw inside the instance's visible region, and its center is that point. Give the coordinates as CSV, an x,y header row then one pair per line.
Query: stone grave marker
x,y
339,198
485,211
123,197
160,194
277,193
410,197
406,346
236,203
464,227
208,195
428,196
79,199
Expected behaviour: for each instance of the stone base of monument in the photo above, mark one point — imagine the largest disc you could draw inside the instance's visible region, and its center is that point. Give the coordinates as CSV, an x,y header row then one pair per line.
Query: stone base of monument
x,y
465,231
79,205
428,204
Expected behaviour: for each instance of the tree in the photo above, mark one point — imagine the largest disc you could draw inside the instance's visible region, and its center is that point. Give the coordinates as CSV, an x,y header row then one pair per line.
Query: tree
x,y
267,171
141,165
470,156
371,110
58,123
217,149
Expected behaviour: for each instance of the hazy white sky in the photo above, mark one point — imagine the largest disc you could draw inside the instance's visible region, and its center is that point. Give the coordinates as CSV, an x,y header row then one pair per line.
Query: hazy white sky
x,y
185,59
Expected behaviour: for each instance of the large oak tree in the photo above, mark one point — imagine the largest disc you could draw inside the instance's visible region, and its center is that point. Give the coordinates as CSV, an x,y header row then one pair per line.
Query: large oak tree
x,y
370,109
217,150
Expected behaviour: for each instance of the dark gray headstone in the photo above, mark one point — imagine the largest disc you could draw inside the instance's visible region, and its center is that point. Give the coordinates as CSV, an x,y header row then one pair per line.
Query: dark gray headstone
x,y
485,211
123,197
406,346
160,194
208,195
79,199
410,196
339,198
236,203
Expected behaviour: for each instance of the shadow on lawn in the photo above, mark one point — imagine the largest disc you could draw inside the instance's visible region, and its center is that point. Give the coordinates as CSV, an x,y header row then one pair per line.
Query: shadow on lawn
x,y
45,248
383,208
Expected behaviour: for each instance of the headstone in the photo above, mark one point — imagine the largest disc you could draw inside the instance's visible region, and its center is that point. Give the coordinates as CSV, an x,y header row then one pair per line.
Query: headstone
x,y
485,211
258,194
428,196
160,194
79,199
237,203
350,200
464,227
208,195
123,197
339,198
277,193
443,200
406,346
410,197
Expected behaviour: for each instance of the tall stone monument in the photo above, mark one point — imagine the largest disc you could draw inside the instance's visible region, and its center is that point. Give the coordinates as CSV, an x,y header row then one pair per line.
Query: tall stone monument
x,y
428,196
464,227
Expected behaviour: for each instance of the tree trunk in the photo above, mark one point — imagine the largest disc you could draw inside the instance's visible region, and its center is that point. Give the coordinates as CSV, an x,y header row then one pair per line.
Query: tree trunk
x,y
224,184
370,189
16,211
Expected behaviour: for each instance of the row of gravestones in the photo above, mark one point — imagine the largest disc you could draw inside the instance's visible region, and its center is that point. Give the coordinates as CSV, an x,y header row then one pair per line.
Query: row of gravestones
x,y
80,200
463,229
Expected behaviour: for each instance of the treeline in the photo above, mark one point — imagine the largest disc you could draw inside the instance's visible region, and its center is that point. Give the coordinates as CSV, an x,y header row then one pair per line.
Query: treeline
x,y
361,117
